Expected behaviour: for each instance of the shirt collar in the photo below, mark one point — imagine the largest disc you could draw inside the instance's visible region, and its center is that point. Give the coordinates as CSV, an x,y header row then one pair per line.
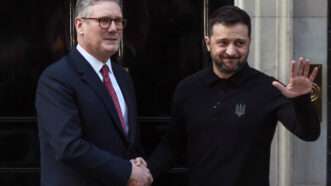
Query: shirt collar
x,y
238,78
94,62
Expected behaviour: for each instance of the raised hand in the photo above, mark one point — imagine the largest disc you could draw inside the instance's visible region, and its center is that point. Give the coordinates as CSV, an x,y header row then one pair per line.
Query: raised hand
x,y
140,175
301,82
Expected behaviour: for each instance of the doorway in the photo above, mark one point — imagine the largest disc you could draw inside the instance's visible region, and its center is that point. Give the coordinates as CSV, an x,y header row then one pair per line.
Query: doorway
x,y
34,33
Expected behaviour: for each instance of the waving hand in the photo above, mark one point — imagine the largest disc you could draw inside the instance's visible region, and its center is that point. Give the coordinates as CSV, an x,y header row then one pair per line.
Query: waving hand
x,y
301,82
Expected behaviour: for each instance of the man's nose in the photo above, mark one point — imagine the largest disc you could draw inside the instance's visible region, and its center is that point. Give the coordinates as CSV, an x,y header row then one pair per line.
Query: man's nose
x,y
231,50
112,26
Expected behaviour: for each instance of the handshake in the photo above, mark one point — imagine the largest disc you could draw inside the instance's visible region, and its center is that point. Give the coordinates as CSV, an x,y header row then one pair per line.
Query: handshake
x,y
140,174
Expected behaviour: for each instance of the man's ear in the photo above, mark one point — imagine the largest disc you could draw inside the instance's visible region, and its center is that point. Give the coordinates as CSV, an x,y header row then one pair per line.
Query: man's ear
x,y
207,41
79,26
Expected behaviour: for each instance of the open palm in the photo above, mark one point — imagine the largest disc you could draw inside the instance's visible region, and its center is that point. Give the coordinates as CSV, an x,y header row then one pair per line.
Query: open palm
x,y
301,82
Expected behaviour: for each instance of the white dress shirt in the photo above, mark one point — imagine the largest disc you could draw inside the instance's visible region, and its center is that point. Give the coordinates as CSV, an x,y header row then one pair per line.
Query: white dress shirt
x,y
97,65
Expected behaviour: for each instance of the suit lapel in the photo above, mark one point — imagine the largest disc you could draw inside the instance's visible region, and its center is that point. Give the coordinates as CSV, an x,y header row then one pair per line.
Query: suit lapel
x,y
89,76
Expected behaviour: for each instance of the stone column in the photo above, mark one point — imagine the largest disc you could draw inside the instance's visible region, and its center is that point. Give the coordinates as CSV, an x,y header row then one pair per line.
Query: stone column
x,y
282,30
271,51
310,40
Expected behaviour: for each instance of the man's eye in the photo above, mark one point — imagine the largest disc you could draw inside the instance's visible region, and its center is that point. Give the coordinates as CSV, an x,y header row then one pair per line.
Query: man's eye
x,y
222,43
104,19
240,43
118,20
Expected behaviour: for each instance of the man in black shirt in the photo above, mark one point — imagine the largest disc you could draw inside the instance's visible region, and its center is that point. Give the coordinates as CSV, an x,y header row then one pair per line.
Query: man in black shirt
x,y
225,116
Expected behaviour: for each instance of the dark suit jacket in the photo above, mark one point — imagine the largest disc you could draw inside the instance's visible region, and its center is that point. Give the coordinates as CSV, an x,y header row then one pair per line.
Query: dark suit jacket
x,y
81,138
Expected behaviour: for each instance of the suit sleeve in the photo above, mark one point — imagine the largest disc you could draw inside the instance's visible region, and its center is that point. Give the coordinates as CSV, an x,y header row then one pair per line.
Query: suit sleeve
x,y
299,116
60,128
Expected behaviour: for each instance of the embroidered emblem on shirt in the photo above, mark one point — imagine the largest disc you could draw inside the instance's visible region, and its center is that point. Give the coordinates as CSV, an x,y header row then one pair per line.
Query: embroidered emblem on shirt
x,y
240,110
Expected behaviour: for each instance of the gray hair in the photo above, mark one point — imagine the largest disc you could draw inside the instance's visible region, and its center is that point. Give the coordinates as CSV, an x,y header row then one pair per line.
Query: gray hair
x,y
81,9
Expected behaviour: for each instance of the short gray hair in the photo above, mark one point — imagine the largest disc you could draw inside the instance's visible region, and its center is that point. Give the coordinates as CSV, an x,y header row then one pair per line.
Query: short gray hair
x,y
82,6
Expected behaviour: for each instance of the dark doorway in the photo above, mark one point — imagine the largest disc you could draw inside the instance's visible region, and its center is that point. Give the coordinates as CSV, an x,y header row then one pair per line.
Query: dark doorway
x,y
34,33
32,37
163,44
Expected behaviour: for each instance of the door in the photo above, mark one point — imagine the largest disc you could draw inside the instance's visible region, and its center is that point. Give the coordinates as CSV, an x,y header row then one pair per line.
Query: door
x,y
164,43
34,33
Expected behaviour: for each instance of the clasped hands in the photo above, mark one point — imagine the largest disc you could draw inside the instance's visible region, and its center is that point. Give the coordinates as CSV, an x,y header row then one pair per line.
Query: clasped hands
x,y
140,174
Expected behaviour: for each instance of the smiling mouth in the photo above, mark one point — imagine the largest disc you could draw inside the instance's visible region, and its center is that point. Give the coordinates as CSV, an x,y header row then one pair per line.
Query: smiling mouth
x,y
230,60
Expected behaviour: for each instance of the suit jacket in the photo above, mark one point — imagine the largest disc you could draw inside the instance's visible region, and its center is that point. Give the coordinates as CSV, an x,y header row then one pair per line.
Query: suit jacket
x,y
81,138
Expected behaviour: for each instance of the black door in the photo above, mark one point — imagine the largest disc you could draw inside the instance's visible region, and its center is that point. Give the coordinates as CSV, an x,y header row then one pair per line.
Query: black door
x,y
34,33
164,43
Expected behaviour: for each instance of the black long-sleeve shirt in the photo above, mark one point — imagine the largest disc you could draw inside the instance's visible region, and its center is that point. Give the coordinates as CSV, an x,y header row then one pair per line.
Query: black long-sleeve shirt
x,y
226,127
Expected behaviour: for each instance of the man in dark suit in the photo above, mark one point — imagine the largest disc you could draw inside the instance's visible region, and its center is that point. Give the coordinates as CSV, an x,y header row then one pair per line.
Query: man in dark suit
x,y
86,108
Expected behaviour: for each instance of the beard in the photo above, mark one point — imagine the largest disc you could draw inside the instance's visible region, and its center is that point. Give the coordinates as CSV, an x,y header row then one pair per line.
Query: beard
x,y
229,65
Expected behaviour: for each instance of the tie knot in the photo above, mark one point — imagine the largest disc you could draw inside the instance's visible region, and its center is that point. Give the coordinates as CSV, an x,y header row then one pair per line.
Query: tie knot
x,y
104,70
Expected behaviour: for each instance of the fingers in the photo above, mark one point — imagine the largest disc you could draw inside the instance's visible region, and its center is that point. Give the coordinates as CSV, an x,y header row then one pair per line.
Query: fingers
x,y
301,79
150,178
301,67
306,67
140,175
293,68
139,161
145,177
300,64
132,182
313,74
